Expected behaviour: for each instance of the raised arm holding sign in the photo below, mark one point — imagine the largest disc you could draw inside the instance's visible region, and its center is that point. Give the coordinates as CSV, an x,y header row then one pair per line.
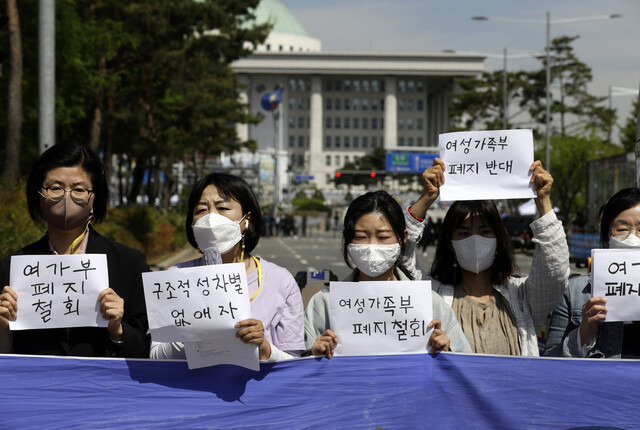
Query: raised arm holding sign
x,y
474,264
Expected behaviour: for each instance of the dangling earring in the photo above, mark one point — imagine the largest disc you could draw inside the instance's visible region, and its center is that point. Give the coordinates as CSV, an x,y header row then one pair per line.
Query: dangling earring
x,y
455,271
242,253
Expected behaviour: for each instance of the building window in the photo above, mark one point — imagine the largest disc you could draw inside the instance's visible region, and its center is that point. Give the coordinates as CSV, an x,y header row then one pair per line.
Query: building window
x,y
337,122
327,122
356,85
356,123
300,141
292,103
420,105
292,84
410,105
280,48
347,85
400,123
337,104
337,160
420,86
292,122
327,141
365,86
301,85
346,159
327,160
365,142
410,124
401,141
402,87
347,142
301,103
346,123
328,85
411,86
300,122
381,104
337,85
374,86
293,161
401,105
410,141
356,142
374,141
381,123
347,104
420,141
328,104
374,123
292,139
337,141
356,104
365,123
374,104
419,124
301,160
365,104
268,47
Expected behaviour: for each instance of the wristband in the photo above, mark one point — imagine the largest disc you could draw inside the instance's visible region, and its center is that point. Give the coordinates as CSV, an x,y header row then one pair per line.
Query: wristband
x,y
414,216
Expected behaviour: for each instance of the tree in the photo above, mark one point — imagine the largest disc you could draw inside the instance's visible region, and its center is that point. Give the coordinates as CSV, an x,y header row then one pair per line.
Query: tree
x,y
568,163
581,114
628,131
14,99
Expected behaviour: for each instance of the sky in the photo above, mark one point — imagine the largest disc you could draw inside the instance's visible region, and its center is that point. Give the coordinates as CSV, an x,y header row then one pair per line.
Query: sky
x,y
609,47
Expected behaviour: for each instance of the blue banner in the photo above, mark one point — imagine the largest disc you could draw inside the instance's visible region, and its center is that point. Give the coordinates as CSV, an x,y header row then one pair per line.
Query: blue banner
x,y
390,392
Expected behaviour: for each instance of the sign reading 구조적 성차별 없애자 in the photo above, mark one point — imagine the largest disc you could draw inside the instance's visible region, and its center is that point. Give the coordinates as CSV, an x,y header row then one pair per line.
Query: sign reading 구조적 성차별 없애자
x,y
58,291
200,307
615,275
482,165
378,318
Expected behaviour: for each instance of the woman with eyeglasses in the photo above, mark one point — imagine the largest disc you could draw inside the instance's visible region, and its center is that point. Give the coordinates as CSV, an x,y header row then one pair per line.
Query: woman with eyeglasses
x,y
578,326
67,191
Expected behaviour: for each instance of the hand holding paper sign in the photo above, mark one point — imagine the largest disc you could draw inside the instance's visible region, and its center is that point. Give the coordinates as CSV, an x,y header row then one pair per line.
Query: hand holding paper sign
x,y
8,312
593,312
325,344
252,331
542,181
112,309
438,341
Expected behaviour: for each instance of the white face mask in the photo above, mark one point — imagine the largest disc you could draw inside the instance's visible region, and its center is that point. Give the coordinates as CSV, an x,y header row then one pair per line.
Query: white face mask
x,y
475,253
632,241
217,231
373,260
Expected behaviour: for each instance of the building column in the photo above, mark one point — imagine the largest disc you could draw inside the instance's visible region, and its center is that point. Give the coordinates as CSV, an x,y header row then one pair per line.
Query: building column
x,y
243,97
390,113
317,166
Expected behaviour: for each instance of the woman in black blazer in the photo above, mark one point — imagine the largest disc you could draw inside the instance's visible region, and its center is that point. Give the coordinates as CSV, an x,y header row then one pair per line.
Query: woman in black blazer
x,y
67,189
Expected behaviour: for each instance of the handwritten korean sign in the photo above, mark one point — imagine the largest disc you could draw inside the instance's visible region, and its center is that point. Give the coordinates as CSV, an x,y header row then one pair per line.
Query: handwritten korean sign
x,y
615,275
486,165
380,318
196,303
58,291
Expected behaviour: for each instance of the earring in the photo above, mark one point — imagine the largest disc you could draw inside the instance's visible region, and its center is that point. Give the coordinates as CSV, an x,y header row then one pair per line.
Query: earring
x,y
455,272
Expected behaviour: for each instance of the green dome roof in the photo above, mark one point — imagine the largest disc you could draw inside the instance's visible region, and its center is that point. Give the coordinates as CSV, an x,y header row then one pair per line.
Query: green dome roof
x,y
279,15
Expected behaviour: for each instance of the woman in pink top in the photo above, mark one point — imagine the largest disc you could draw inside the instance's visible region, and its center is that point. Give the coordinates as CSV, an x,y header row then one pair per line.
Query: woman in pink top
x,y
224,217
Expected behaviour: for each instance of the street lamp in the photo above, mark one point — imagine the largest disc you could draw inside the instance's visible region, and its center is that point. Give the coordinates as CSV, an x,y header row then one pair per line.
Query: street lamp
x,y
548,23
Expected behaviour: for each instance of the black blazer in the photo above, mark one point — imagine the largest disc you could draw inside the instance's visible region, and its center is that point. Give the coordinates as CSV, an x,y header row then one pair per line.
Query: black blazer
x,y
125,267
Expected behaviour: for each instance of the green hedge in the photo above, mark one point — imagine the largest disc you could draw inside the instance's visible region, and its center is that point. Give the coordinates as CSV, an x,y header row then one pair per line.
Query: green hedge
x,y
154,233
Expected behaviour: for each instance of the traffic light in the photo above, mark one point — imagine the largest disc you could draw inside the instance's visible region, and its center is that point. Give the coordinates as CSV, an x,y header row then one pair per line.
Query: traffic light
x,y
372,174
338,174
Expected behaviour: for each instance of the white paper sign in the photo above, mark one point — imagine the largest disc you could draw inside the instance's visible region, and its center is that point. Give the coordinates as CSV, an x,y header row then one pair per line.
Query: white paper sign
x,y
615,275
222,351
482,165
380,318
58,291
196,303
